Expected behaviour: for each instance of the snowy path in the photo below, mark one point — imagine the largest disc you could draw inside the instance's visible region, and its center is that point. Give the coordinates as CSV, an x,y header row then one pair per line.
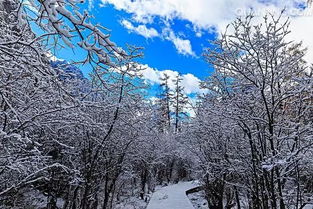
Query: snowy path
x,y
172,197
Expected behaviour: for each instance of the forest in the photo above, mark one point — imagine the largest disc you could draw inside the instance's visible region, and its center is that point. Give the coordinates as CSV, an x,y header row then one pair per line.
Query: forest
x,y
72,142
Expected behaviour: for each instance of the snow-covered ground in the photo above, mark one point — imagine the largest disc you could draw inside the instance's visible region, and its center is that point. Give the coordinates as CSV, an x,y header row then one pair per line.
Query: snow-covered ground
x,y
198,200
172,197
131,203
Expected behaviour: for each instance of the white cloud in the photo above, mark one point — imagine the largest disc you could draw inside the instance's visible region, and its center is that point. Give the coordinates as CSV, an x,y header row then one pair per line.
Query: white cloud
x,y
151,75
183,46
140,29
217,14
190,82
202,13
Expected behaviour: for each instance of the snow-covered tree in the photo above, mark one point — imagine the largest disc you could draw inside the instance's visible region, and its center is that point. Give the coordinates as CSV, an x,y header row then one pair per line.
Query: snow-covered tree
x,y
63,136
261,87
179,101
164,103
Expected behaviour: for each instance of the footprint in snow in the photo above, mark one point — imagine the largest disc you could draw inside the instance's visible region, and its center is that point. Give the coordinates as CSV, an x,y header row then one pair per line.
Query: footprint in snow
x,y
164,197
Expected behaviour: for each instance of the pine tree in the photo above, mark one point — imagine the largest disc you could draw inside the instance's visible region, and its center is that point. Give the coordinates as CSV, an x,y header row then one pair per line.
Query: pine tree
x,y
179,101
165,103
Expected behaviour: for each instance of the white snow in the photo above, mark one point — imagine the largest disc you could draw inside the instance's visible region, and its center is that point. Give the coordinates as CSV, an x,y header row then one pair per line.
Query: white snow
x,y
172,197
198,200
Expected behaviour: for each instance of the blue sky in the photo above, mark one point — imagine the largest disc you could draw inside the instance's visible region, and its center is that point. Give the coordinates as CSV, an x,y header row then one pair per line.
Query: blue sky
x,y
174,33
159,53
